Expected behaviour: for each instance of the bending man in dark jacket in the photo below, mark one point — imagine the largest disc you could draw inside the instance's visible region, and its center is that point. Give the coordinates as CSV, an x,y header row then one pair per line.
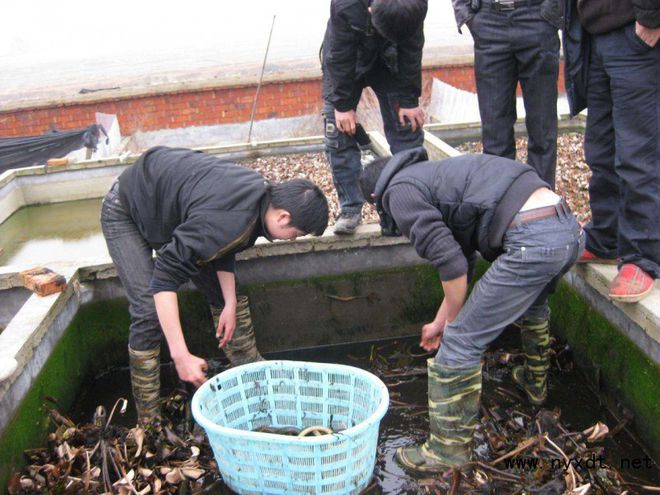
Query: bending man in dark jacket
x,y
197,212
375,43
449,209
620,51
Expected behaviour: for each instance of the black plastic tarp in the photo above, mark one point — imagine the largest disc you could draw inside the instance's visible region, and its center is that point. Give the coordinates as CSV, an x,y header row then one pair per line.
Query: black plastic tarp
x,y
16,152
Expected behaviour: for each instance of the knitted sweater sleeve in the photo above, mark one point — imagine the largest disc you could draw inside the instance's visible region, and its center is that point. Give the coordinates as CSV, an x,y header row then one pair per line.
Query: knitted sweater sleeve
x,y
422,223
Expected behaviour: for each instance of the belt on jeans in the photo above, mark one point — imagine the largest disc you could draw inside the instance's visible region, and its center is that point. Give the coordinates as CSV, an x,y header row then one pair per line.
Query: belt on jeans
x,y
536,214
506,5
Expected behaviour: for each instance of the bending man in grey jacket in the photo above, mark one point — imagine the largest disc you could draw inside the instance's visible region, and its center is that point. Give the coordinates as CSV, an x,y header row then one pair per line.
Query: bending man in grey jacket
x,y
449,209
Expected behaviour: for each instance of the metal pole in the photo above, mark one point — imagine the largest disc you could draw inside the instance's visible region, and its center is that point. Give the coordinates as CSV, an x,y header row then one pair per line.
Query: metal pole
x,y
261,77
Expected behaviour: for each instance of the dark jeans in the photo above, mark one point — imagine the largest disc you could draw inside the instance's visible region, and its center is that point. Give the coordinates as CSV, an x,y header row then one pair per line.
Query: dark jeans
x,y
622,148
512,46
536,255
343,152
133,259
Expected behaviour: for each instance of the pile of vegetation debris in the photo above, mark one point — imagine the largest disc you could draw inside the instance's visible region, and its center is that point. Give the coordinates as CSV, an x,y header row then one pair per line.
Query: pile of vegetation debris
x,y
169,457
518,448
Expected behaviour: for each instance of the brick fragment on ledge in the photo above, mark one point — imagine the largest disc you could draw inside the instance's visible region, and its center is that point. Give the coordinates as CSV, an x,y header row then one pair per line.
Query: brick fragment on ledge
x,y
43,281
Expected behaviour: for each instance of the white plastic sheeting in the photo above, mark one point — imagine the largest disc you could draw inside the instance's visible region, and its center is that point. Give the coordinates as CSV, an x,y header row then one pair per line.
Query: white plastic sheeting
x,y
450,105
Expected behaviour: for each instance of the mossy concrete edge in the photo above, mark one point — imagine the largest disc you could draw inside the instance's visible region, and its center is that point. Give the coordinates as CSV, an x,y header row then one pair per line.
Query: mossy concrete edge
x,y
612,363
84,347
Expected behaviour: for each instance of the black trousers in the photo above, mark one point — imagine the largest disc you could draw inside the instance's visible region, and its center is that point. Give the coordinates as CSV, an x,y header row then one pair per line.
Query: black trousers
x,y
510,47
622,148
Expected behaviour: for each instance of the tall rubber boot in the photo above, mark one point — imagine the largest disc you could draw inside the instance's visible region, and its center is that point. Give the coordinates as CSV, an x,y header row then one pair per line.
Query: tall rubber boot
x,y
242,348
145,380
454,396
533,376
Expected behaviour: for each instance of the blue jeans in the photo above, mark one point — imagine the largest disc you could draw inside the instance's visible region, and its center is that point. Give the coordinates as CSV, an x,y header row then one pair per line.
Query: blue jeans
x,y
536,255
510,47
133,259
622,149
343,152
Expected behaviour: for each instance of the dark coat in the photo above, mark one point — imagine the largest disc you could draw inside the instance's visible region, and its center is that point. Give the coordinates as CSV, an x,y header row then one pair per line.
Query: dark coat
x,y
193,208
451,208
354,56
647,12
577,50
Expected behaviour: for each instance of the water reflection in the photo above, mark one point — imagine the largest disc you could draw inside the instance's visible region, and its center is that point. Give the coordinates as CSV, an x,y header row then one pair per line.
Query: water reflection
x,y
56,232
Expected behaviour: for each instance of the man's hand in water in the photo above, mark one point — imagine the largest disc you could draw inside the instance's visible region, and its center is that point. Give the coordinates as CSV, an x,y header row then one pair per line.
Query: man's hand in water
x,y
432,335
191,369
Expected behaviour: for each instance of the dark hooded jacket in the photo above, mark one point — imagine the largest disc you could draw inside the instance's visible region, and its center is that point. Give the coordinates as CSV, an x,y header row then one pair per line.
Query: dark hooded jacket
x,y
354,55
194,210
451,208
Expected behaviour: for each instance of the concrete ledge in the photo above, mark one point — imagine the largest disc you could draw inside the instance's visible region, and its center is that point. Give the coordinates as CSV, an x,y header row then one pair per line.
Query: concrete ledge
x,y
29,338
640,322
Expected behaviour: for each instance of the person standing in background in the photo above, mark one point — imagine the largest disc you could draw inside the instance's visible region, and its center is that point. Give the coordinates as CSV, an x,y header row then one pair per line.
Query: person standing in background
x,y
516,41
616,46
375,43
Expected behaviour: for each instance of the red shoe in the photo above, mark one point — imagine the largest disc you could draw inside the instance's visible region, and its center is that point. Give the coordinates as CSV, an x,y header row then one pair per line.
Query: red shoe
x,y
632,284
589,257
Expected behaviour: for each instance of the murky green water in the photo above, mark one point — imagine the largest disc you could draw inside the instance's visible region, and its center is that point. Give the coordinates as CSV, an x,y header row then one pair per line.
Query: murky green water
x,y
56,232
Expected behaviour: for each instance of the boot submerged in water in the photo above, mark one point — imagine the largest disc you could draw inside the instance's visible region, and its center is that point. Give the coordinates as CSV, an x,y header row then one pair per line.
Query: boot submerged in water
x,y
533,376
145,382
454,396
242,348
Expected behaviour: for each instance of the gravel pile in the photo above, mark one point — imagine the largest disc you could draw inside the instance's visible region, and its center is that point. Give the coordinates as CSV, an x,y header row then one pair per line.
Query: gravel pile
x,y
312,166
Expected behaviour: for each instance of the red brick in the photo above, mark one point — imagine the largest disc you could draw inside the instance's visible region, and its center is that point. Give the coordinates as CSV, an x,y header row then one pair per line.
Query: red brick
x,y
43,281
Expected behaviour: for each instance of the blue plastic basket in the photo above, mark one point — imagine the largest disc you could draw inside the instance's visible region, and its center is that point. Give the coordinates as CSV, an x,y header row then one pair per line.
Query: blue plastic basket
x,y
298,394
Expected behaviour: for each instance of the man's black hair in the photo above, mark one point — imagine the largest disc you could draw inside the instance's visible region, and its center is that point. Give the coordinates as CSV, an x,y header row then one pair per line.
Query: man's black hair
x,y
370,175
398,20
304,201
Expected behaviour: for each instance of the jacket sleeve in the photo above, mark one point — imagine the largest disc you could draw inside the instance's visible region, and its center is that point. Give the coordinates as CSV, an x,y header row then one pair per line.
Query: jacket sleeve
x,y
463,12
422,223
409,81
647,12
225,264
341,57
176,260
195,242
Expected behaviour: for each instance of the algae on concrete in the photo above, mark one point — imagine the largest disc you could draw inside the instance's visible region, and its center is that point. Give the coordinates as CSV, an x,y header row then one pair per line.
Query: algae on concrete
x,y
327,310
613,363
95,340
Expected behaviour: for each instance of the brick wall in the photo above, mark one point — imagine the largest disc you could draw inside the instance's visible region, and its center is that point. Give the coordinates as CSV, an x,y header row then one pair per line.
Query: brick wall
x,y
196,107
